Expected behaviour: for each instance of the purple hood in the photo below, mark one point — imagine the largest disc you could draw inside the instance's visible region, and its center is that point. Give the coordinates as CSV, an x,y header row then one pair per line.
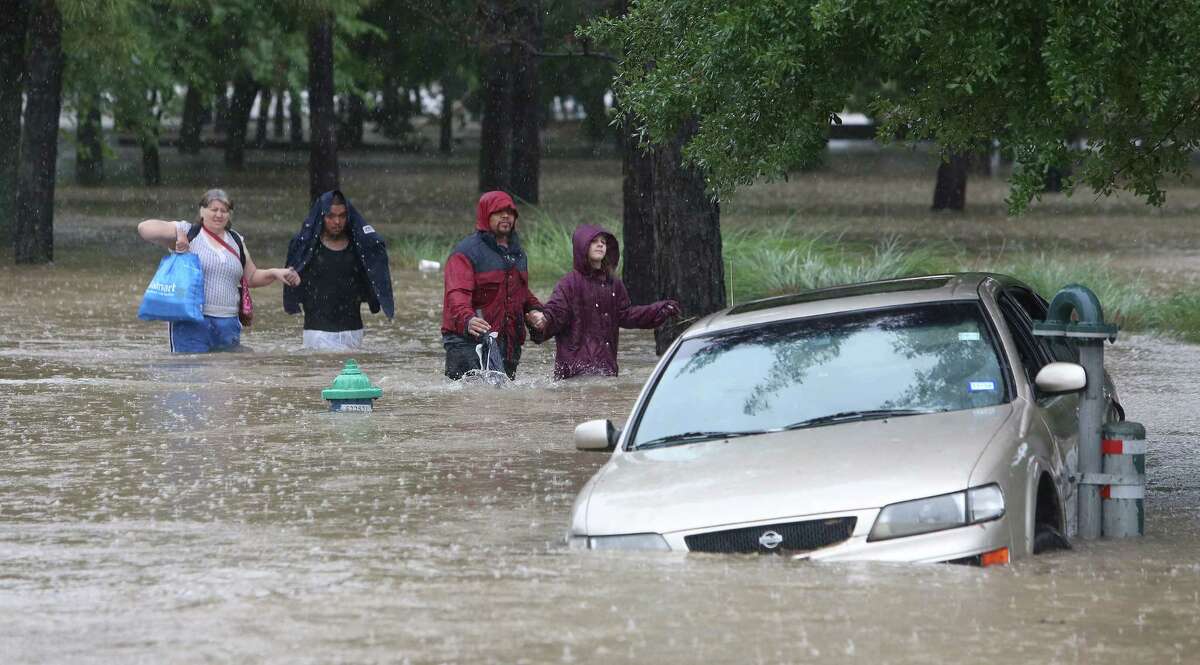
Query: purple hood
x,y
583,237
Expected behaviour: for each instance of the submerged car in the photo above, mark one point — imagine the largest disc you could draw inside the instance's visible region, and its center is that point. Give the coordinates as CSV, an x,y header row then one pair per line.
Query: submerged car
x,y
915,420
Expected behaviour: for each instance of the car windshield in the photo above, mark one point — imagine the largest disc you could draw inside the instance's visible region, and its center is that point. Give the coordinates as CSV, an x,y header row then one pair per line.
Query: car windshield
x,y
815,371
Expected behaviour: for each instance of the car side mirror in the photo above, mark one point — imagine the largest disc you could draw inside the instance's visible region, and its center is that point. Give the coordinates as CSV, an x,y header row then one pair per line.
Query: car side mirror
x,y
1061,378
596,435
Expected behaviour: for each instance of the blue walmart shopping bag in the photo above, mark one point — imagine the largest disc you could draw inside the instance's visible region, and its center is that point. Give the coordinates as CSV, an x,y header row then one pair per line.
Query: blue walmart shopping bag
x,y
177,291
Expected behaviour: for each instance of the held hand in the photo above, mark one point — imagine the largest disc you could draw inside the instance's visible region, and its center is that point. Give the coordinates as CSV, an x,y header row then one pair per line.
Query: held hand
x,y
536,319
477,326
181,243
289,276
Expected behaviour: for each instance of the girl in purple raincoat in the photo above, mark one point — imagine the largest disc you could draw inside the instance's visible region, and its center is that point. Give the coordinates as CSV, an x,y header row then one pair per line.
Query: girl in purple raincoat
x,y
588,306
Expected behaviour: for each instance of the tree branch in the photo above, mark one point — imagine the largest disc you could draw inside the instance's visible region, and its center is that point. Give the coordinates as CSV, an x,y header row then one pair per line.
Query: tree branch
x,y
1191,112
585,53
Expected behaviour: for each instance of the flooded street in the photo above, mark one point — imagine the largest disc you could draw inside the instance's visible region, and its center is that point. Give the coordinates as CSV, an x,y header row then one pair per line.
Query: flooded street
x,y
198,509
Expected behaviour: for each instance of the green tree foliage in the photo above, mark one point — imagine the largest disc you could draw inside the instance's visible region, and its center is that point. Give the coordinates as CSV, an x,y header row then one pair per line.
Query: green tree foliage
x,y
585,78
767,77
417,42
413,44
129,67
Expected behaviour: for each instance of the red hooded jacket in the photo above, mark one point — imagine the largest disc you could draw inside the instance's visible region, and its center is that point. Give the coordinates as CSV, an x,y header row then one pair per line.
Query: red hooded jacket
x,y
483,274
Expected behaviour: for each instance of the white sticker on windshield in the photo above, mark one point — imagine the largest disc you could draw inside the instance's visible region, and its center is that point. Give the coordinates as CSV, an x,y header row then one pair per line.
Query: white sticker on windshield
x,y
968,337
980,386
367,228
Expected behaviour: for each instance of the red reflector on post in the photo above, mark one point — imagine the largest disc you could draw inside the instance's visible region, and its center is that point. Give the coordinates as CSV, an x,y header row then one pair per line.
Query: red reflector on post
x,y
1106,491
1112,447
994,558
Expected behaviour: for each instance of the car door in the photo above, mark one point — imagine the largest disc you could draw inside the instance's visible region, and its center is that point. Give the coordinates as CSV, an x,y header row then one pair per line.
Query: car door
x,y
1058,413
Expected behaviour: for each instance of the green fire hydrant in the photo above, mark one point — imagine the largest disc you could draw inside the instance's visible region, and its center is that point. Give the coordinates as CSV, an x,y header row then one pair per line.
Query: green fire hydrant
x,y
351,391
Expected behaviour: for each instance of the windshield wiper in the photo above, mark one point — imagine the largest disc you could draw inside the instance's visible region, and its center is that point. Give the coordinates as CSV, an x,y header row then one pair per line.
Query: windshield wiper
x,y
850,416
693,437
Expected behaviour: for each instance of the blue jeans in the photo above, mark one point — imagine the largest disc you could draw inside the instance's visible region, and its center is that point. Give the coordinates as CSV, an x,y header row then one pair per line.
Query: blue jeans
x,y
215,333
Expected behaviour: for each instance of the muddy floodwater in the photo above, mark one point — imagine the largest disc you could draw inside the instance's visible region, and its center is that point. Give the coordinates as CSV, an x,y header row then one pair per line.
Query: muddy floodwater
x,y
208,509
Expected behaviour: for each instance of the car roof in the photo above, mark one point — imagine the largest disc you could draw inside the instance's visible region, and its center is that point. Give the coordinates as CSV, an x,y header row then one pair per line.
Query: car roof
x,y
850,297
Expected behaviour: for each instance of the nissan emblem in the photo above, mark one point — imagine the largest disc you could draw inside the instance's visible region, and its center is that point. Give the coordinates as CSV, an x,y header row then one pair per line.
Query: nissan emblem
x,y
770,540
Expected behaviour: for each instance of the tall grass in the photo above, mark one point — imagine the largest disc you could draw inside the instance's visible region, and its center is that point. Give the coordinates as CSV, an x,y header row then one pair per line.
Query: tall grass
x,y
774,262
406,251
1123,296
1177,314
766,262
547,243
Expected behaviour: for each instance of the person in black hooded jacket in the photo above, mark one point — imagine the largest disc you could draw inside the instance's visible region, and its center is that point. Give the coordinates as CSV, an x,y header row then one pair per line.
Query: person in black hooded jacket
x,y
344,263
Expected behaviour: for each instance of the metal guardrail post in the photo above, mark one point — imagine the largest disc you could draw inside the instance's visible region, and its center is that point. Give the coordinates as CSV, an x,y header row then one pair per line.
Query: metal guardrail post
x,y
1088,331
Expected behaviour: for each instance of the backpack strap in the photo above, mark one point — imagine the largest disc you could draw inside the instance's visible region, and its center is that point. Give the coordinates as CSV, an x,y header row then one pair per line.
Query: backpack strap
x,y
194,230
237,239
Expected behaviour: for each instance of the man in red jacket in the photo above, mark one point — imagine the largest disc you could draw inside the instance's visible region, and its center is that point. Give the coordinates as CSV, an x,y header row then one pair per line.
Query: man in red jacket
x,y
487,289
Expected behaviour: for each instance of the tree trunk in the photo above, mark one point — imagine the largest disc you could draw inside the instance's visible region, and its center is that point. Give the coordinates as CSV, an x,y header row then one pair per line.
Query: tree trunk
x,y
34,221
323,148
446,124
950,192
637,214
1055,179
339,112
389,116
595,125
12,62
527,107
637,210
981,161
356,119
1058,178
148,142
89,149
277,128
151,168
221,109
193,119
687,238
264,115
244,91
295,118
496,126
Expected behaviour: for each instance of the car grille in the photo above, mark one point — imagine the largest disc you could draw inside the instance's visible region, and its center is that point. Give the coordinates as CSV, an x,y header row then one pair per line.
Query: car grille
x,y
790,537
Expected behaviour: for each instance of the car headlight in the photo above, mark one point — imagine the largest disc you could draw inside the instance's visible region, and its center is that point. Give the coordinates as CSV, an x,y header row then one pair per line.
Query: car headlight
x,y
936,513
651,542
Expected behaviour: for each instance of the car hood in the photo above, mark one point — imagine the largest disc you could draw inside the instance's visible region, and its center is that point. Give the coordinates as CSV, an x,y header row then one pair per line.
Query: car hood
x,y
783,475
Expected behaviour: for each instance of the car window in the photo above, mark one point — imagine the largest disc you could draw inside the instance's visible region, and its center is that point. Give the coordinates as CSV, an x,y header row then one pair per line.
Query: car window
x,y
923,357
1036,307
1033,355
1033,306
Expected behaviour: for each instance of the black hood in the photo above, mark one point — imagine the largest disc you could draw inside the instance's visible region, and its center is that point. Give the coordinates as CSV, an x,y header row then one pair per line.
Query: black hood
x,y
367,243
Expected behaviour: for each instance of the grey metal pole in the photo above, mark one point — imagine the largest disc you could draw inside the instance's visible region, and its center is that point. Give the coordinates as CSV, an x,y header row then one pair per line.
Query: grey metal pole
x,y
1091,418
